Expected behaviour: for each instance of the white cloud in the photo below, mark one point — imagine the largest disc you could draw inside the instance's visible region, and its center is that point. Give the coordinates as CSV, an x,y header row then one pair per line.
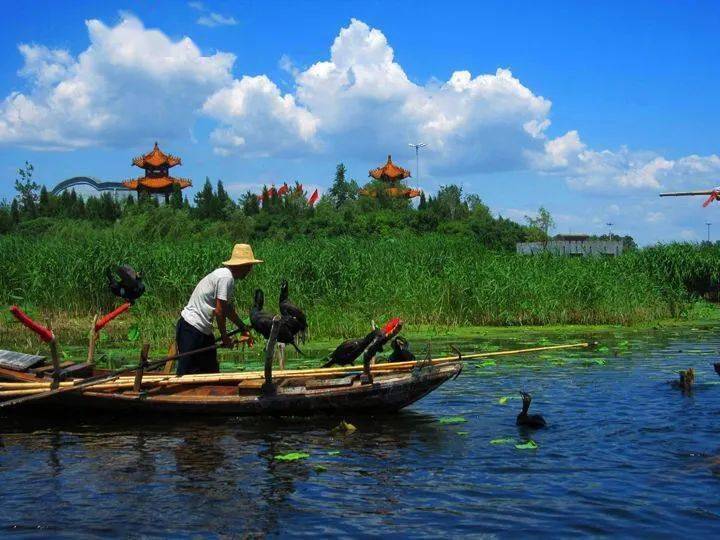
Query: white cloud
x,y
210,18
259,120
130,81
215,19
134,82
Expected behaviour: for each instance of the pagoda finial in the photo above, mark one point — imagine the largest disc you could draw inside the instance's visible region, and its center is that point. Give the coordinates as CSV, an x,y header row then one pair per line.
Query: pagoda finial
x,y
389,158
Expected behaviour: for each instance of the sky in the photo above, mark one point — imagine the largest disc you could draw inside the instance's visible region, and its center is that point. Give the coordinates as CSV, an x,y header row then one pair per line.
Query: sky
x,y
590,109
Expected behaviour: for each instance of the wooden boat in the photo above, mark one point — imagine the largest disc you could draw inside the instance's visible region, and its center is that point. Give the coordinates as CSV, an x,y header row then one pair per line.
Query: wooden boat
x,y
291,392
26,384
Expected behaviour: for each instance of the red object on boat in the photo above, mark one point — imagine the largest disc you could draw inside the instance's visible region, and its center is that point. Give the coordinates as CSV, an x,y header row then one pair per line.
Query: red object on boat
x,y
110,316
44,333
313,198
390,326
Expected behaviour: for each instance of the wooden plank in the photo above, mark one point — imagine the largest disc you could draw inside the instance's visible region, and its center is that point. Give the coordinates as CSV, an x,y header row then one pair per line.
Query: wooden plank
x,y
19,361
45,369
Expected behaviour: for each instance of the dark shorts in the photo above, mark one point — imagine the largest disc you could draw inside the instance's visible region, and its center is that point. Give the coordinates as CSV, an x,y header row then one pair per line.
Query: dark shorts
x,y
189,338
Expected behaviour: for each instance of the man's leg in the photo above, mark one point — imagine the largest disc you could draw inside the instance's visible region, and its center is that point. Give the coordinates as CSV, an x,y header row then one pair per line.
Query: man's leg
x,y
188,339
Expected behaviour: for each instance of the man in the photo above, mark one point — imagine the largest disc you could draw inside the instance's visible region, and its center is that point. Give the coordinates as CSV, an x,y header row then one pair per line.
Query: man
x,y
212,297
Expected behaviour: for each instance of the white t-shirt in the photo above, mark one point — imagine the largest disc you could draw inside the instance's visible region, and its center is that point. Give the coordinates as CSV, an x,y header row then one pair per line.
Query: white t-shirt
x,y
200,308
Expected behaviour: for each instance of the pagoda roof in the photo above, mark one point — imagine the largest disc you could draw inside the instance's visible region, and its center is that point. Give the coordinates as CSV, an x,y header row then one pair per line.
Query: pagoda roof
x,y
162,184
156,158
389,172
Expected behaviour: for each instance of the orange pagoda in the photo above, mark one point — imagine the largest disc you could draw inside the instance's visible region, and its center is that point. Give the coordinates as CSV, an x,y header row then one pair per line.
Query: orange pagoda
x,y
391,174
157,179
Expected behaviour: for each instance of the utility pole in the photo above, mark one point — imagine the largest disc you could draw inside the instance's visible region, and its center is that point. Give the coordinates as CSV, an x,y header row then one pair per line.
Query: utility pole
x,y
417,147
708,226
609,226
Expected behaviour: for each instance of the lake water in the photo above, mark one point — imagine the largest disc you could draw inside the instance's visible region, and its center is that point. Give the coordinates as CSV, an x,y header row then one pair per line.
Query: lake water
x,y
624,453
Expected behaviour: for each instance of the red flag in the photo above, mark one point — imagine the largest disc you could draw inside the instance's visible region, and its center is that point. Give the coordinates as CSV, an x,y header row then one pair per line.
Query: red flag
x,y
283,189
272,191
313,198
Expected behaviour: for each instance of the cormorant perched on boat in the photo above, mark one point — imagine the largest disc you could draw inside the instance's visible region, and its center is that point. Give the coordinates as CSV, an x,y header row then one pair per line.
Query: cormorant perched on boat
x,y
401,351
129,287
288,309
348,351
533,421
261,321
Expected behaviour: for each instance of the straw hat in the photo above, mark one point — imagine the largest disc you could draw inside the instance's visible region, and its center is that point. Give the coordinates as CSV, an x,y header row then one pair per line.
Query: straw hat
x,y
242,254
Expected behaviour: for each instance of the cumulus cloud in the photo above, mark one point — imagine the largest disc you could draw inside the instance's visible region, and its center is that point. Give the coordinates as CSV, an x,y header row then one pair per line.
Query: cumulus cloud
x,y
129,81
359,101
361,98
259,120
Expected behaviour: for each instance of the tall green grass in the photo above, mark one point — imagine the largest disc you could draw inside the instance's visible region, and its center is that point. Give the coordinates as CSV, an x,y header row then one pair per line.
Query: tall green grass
x,y
343,283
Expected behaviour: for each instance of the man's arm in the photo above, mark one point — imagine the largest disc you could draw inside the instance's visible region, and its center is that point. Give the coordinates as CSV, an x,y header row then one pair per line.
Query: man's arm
x,y
225,310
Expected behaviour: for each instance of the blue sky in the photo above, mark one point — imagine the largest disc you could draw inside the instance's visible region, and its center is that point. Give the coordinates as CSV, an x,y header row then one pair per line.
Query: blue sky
x,y
597,108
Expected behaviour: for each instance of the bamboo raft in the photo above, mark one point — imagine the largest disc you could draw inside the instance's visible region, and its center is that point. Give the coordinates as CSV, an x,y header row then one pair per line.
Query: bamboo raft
x,y
370,388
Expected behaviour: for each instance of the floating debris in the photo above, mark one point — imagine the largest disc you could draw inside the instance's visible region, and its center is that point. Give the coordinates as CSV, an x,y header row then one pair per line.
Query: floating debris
x,y
292,456
453,420
530,445
503,440
343,428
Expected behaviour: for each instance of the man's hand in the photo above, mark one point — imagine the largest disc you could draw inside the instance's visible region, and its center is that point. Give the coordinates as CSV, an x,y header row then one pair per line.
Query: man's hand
x,y
227,342
246,338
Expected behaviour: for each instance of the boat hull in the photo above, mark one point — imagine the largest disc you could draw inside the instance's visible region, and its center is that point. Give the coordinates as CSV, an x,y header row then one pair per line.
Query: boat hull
x,y
387,393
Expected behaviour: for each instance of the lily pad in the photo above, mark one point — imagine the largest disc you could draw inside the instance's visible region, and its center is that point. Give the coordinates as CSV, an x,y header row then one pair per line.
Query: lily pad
x,y
502,440
463,433
504,399
530,445
487,363
333,452
320,468
292,456
453,420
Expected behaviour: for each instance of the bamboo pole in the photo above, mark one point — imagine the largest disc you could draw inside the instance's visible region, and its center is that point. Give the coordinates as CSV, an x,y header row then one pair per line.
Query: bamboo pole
x,y
127,382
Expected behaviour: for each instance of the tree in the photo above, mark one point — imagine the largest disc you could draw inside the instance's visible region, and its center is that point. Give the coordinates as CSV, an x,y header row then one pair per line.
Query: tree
x,y
249,203
44,208
6,222
341,190
224,205
422,205
15,212
176,198
543,223
448,203
27,190
205,201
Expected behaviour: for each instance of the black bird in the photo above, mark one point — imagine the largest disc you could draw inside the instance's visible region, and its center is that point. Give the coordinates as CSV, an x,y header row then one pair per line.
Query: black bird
x,y
400,351
288,309
717,367
261,321
533,421
348,351
129,286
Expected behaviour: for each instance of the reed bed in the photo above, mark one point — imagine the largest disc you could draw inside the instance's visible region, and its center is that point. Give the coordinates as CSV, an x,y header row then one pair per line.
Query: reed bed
x,y
342,283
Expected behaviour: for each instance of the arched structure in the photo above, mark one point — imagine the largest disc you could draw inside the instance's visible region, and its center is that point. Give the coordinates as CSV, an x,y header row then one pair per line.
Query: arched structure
x,y
87,181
